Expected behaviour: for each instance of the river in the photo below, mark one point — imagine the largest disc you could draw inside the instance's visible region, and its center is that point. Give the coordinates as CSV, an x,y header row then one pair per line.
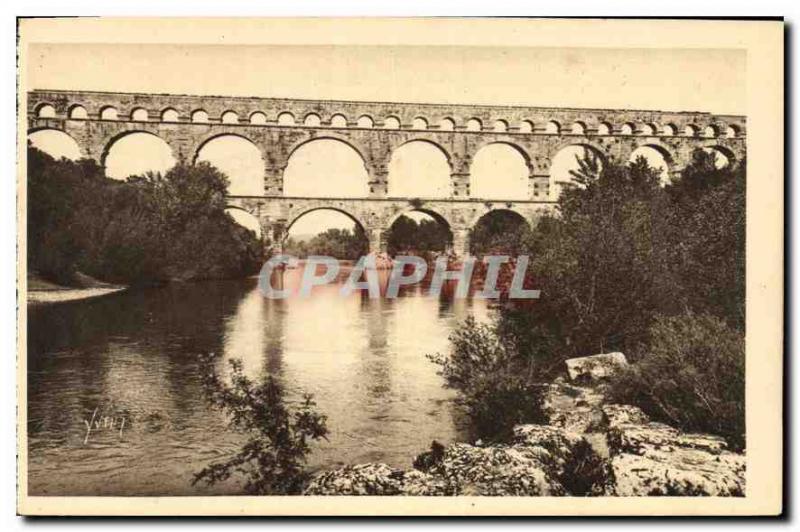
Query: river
x,y
128,365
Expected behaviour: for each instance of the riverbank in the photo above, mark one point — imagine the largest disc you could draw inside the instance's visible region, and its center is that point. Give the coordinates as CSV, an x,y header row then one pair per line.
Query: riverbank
x,y
41,291
587,448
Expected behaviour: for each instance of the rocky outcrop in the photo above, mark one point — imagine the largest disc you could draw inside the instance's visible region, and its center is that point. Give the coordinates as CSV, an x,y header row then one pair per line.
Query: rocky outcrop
x,y
595,367
376,479
588,447
538,461
648,458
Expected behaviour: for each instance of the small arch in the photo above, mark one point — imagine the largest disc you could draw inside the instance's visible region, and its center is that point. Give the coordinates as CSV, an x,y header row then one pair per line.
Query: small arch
x,y
447,124
526,126
109,113
710,131
229,117
312,120
365,121
391,122
140,114
670,130
200,116
45,110
419,123
578,128
690,130
552,128
732,132
500,126
169,115
286,119
338,120
258,118
474,124
628,128
604,128
78,112
649,130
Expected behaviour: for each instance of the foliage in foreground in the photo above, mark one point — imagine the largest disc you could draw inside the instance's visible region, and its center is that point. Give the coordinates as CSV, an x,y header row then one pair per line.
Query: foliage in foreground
x,y
272,461
692,376
622,255
495,385
148,229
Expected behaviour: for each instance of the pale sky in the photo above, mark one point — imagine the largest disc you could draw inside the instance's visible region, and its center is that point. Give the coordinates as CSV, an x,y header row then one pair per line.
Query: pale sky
x,y
664,79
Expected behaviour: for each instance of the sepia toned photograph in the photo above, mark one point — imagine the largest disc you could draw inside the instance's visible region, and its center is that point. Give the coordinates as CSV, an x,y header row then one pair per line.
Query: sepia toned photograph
x,y
466,278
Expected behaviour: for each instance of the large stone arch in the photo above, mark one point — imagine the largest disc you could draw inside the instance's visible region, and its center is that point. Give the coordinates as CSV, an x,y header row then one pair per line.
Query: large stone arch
x,y
664,149
254,215
294,216
595,147
227,132
328,135
398,148
477,181
301,144
529,161
559,167
494,208
245,170
666,155
60,132
725,150
441,217
109,142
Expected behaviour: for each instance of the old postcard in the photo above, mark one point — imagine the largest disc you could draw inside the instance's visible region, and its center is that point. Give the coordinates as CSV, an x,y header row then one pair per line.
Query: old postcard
x,y
400,267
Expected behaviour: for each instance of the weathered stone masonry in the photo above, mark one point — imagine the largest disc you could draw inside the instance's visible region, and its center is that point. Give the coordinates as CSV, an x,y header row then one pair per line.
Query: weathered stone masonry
x,y
186,123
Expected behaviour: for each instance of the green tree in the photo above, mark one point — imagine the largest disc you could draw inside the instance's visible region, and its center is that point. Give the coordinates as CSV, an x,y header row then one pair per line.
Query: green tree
x,y
409,236
499,232
272,460
150,228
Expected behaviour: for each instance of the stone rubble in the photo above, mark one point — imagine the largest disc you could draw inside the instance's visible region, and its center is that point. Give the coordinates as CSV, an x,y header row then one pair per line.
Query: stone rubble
x,y
588,448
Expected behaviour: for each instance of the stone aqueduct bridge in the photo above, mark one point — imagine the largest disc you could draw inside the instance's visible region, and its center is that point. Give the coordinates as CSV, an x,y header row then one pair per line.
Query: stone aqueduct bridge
x,y
279,126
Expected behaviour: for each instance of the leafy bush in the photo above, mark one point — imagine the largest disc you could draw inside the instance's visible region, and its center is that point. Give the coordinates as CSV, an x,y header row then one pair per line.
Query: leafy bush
x,y
272,460
693,376
495,384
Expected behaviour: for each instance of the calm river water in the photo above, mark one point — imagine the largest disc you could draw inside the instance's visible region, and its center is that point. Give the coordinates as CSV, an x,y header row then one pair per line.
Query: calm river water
x,y
130,362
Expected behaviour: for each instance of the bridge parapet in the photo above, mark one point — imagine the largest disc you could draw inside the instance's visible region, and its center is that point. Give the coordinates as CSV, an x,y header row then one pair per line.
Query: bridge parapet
x,y
186,123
